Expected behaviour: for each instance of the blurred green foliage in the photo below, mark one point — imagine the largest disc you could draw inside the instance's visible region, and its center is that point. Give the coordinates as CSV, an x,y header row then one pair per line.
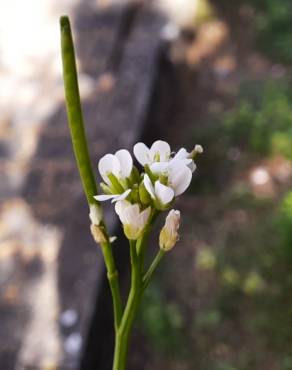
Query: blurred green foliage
x,y
273,26
262,120
162,322
284,223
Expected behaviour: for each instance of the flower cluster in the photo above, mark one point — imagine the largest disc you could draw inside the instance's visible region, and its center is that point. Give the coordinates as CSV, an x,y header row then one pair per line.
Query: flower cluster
x,y
139,196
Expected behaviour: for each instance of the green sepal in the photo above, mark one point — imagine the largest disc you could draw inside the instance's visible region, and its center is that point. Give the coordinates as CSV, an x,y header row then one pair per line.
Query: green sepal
x,y
135,197
145,197
163,179
134,178
106,189
116,185
151,175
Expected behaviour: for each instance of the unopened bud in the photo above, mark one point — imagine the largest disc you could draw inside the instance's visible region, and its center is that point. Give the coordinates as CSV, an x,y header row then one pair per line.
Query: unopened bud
x,y
95,214
98,234
169,233
198,149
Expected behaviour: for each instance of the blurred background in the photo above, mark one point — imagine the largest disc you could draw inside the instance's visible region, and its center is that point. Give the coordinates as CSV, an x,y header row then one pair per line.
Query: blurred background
x,y
209,72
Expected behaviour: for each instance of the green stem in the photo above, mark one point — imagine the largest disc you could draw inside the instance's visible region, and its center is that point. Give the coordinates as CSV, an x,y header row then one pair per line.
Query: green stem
x,y
78,136
142,241
113,279
152,268
74,111
123,333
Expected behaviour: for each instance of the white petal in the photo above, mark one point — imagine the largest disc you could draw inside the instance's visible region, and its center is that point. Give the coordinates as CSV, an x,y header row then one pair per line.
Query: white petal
x,y
179,178
131,215
108,164
186,161
121,196
126,162
121,205
172,221
143,217
141,152
192,166
148,185
158,167
104,197
162,148
163,193
181,154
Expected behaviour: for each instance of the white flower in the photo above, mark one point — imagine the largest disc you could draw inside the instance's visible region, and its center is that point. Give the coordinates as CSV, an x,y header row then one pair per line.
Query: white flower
x,y
163,194
132,218
159,152
119,164
169,233
113,197
179,176
183,157
159,156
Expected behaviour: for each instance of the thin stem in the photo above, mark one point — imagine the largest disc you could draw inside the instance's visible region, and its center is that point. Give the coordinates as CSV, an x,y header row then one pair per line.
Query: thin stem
x,y
78,136
113,279
123,333
152,268
142,241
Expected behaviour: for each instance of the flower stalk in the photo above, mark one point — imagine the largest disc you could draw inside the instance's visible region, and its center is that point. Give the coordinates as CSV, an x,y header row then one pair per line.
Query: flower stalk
x,y
139,198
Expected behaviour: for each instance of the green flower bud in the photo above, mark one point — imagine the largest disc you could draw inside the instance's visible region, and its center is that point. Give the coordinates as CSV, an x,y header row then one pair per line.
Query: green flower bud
x,y
198,149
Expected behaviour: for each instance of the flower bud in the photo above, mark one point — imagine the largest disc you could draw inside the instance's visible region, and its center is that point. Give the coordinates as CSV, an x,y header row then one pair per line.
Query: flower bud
x,y
95,214
98,234
169,233
198,149
133,219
